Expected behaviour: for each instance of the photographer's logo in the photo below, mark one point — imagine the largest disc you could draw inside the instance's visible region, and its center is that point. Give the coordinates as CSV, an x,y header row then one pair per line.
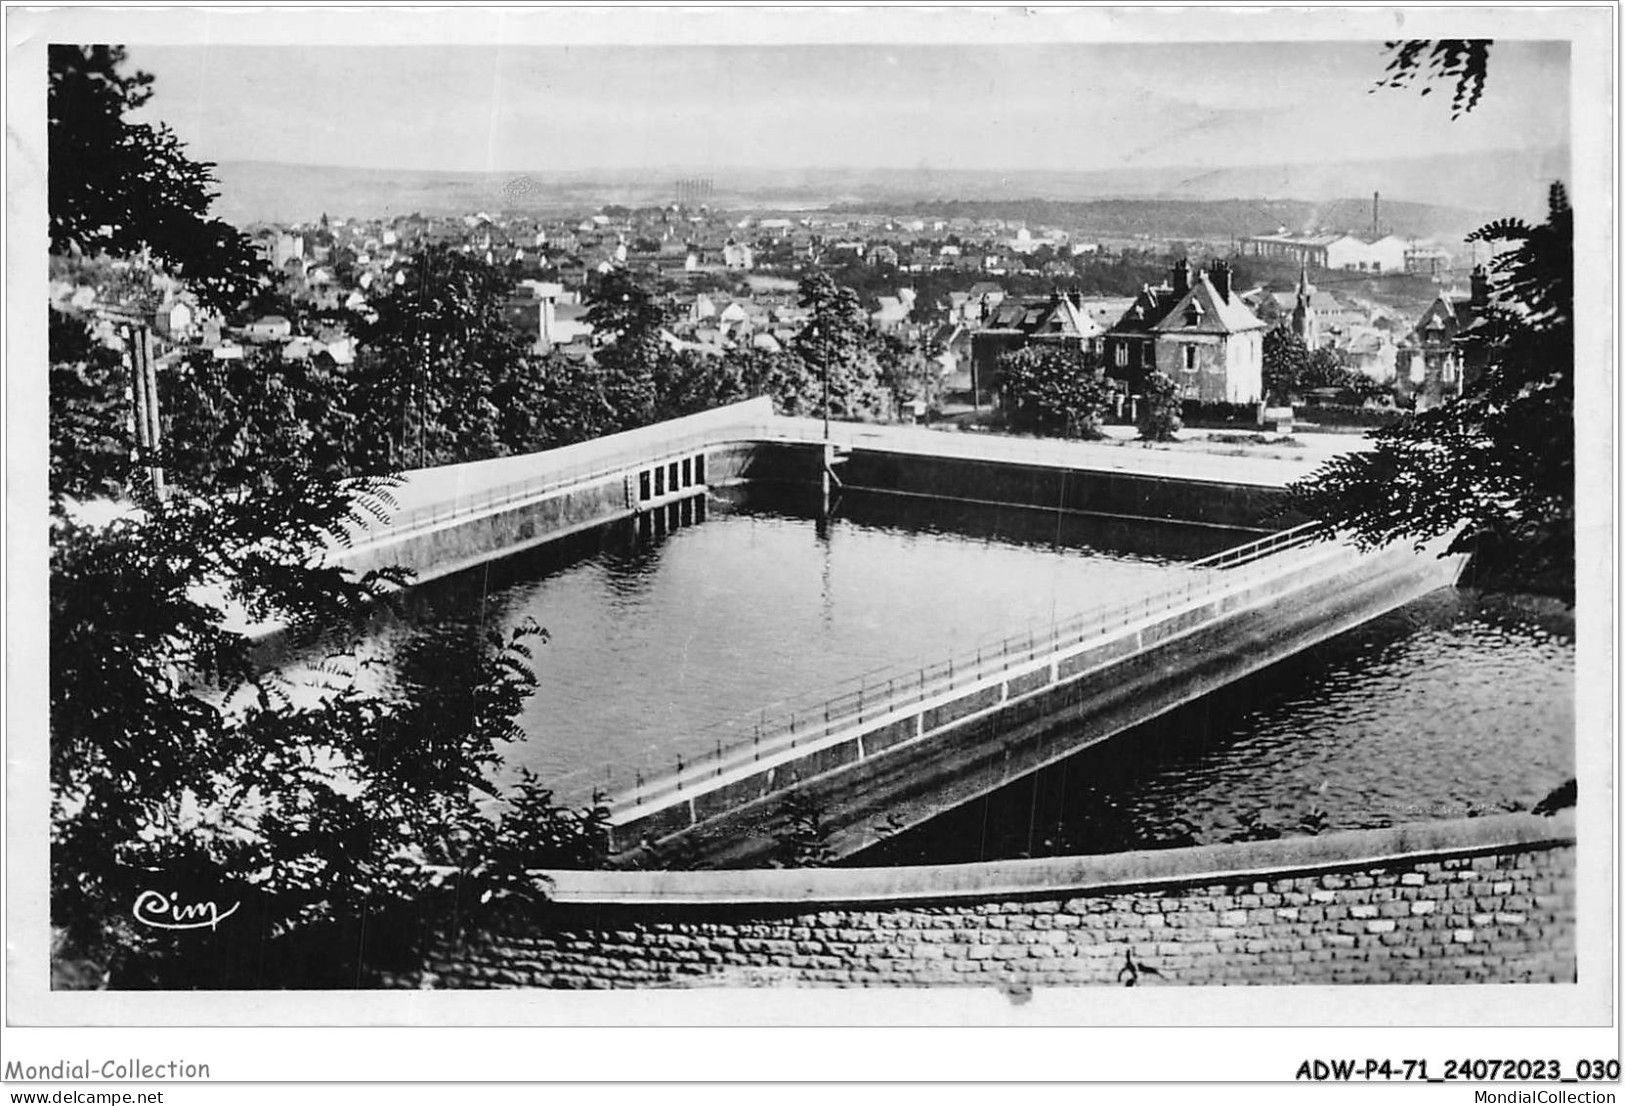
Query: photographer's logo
x,y
521,188
160,911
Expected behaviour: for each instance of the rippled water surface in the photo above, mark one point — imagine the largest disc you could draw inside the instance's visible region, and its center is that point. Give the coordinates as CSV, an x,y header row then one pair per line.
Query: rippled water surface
x,y
664,641
1457,704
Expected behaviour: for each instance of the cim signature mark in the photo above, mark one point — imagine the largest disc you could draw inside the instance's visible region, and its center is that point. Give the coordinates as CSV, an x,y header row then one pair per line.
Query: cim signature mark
x,y
160,911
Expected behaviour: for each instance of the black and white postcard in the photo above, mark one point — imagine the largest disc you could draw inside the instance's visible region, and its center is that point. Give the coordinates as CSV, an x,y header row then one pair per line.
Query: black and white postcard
x,y
1059,516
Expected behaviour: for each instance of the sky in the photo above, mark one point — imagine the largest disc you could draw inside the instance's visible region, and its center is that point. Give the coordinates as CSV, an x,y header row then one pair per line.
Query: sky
x,y
1068,106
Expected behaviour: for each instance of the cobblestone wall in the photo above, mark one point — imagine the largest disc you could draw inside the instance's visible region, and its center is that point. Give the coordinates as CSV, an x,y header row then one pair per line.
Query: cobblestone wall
x,y
1505,915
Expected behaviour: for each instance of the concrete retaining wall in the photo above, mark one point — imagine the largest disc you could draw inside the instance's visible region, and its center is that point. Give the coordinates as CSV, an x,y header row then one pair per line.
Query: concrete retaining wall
x,y
1472,901
1110,493
763,463
477,535
465,542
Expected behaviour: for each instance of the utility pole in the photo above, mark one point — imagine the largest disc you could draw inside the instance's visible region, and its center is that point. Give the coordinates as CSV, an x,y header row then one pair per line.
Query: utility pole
x,y
823,351
144,406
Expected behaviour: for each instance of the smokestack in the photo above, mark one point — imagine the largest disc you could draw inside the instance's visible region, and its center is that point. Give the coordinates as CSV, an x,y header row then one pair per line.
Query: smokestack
x,y
1376,232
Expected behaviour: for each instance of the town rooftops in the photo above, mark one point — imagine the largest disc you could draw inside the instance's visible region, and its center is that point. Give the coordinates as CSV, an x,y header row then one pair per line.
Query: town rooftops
x,y
1192,303
1315,238
1147,309
1324,303
1203,310
1056,316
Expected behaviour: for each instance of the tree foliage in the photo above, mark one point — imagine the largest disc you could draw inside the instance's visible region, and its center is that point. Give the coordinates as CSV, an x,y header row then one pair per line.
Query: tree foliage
x,y
125,188
1286,360
1292,369
1329,368
1160,421
629,348
177,765
836,343
252,425
440,371
908,371
90,447
626,320
1495,466
1462,63
1053,389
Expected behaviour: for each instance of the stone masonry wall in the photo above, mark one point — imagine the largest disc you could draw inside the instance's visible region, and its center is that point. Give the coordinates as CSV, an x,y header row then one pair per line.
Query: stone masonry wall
x,y
1457,913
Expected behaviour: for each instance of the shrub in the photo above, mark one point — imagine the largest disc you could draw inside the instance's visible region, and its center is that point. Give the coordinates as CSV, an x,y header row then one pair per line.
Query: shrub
x,y
1340,414
1052,390
1195,413
1160,420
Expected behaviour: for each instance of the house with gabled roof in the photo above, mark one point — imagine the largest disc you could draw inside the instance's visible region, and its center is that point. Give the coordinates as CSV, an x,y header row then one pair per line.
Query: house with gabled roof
x,y
1196,331
892,313
1442,355
1012,324
952,341
1131,344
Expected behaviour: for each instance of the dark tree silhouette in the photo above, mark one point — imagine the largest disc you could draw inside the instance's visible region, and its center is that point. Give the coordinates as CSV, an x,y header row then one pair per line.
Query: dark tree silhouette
x,y
1495,466
90,451
1463,63
121,188
255,424
440,369
176,765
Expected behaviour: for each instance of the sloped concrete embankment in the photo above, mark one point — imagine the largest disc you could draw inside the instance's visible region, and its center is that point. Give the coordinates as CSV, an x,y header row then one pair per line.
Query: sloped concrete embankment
x,y
908,762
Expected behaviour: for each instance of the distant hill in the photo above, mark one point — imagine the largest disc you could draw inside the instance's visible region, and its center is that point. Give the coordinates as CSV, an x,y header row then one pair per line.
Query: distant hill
x,y
1488,184
1498,183
272,192
1166,218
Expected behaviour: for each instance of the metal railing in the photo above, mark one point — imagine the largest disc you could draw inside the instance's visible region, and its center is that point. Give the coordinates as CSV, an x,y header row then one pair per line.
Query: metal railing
x,y
1270,543
741,742
554,478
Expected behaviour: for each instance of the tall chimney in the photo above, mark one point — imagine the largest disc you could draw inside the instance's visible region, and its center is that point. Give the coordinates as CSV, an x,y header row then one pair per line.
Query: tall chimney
x,y
546,322
1480,286
1220,277
1376,231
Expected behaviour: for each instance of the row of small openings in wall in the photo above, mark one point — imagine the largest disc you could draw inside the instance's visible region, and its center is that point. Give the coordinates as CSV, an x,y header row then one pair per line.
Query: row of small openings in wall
x,y
671,477
662,520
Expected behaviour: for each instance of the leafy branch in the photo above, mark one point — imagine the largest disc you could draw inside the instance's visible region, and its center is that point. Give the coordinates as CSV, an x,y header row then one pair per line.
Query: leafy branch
x,y
1463,63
